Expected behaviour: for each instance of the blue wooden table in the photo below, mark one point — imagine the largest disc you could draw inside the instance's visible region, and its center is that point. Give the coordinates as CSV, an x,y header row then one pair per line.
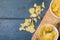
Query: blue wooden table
x,y
13,13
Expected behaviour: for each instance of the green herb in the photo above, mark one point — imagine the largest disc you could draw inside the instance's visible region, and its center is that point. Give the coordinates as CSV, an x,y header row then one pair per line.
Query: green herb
x,y
48,31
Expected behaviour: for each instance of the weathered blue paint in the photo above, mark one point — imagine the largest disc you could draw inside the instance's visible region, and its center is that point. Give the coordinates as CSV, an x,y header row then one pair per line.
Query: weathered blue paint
x,y
9,29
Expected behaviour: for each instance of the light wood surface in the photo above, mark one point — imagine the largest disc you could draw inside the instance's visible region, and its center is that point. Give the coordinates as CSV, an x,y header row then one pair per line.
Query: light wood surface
x,y
48,19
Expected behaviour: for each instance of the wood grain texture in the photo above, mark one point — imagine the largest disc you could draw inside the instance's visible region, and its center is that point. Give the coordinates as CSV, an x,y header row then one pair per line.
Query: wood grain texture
x,y
48,19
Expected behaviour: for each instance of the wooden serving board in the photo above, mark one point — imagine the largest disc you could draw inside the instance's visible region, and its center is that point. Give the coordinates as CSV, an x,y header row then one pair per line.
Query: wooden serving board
x,y
48,19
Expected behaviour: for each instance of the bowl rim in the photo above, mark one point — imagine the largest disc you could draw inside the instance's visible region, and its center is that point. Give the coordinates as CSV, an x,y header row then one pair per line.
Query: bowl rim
x,y
52,11
54,29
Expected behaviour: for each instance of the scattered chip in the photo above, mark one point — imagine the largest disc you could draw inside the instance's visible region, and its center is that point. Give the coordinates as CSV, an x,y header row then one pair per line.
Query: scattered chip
x,y
35,19
32,11
38,10
34,15
35,4
43,5
39,17
21,28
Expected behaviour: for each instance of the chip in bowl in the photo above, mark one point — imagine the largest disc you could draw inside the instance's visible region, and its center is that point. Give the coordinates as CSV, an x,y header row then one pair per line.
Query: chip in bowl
x,y
48,32
55,8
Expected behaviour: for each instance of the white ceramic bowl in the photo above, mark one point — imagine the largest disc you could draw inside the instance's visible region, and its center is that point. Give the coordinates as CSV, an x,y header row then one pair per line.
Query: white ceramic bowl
x,y
54,29
52,11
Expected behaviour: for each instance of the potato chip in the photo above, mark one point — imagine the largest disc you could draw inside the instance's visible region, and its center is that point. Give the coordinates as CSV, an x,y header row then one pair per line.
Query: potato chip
x,y
38,10
35,4
27,22
39,17
21,28
43,5
32,11
35,19
34,15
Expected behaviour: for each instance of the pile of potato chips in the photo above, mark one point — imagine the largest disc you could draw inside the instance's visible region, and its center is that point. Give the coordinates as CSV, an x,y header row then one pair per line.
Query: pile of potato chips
x,y
35,12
